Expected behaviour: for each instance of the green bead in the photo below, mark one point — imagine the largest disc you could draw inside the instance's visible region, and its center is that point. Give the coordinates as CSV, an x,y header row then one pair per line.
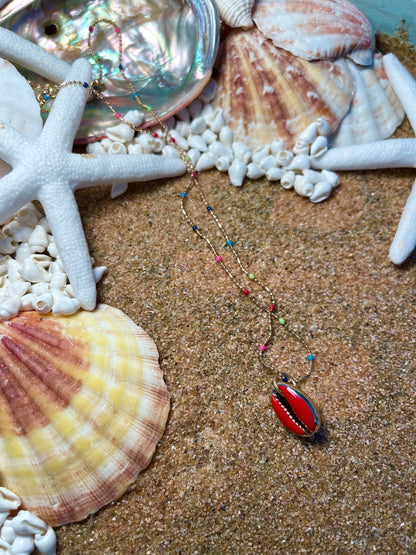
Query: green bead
x,y
251,276
282,321
96,57
149,108
187,158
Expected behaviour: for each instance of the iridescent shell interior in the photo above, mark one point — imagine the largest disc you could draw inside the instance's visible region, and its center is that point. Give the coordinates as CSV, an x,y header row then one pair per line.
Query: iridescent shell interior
x,y
168,48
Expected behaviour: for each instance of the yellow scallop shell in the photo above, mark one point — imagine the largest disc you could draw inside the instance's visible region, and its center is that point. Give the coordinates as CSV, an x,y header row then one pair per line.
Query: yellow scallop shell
x,y
83,405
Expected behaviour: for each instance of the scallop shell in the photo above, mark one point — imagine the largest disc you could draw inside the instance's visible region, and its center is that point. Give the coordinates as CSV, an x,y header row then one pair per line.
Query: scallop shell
x,y
169,49
82,407
236,13
267,92
317,29
375,112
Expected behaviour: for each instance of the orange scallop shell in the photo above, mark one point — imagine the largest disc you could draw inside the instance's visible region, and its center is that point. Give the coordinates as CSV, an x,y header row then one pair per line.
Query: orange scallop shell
x,y
267,92
83,405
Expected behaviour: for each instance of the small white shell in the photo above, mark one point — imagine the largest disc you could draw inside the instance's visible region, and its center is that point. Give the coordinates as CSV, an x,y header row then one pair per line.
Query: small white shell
x,y
18,287
268,162
7,532
198,126
46,543
22,233
146,142
28,215
303,187
26,523
209,136
134,148
184,128
96,148
319,146
321,191
39,288
194,155
301,148
23,545
117,148
254,171
324,127
219,149
313,176
28,301
43,303
179,140
274,174
98,272
196,141
284,157
236,13
119,188
170,151
242,151
206,161
120,132
38,240
237,172
34,273
217,121
66,306
13,269
277,145
309,134
288,180
8,245
9,501
135,117
9,307
332,177
227,136
223,163
259,153
299,162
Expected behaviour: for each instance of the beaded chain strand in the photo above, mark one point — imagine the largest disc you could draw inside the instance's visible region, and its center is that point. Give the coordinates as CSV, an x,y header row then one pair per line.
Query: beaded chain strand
x,y
272,310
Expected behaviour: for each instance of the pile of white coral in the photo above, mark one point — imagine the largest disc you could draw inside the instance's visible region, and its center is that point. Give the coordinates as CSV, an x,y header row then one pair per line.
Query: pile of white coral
x,y
22,533
203,133
32,276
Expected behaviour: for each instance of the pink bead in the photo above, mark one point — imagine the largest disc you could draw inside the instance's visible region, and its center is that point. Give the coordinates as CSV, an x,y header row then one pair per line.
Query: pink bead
x,y
262,347
118,116
218,258
117,30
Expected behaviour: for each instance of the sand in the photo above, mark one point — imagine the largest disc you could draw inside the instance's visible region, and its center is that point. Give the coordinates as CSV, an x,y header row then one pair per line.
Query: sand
x,y
226,477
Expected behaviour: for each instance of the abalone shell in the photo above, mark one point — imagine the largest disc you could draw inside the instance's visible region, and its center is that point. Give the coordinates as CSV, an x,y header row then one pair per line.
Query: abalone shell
x,y
168,48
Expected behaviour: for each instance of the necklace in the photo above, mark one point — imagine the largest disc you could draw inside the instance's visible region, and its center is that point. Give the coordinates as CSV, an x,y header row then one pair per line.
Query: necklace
x,y
293,408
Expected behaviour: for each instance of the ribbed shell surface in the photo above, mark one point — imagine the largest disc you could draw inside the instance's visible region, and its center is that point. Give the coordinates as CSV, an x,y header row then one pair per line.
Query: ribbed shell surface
x,y
317,29
267,92
83,405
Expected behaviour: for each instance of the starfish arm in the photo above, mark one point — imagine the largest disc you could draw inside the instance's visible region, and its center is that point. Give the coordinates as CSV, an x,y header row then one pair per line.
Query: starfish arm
x,y
63,217
405,239
104,169
12,144
393,153
68,107
13,194
32,56
404,86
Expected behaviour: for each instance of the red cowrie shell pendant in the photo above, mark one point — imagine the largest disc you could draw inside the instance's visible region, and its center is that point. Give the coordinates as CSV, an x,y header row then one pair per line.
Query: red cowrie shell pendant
x,y
295,410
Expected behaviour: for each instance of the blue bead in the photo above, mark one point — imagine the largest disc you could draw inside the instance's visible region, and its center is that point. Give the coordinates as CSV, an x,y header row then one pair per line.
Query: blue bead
x,y
120,66
135,95
183,194
310,357
194,227
95,87
46,97
284,378
85,85
209,208
229,243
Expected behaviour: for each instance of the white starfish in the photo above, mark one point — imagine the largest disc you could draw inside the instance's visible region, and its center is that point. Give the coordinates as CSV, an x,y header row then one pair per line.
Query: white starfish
x,y
46,169
392,153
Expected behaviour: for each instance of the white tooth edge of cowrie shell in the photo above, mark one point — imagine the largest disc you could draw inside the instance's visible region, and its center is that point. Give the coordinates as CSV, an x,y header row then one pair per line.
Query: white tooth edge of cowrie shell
x,y
46,543
26,523
9,501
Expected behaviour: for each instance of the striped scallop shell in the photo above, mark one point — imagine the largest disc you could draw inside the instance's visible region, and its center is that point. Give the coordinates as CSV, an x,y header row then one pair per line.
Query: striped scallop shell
x,y
375,112
317,29
236,13
267,92
82,407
